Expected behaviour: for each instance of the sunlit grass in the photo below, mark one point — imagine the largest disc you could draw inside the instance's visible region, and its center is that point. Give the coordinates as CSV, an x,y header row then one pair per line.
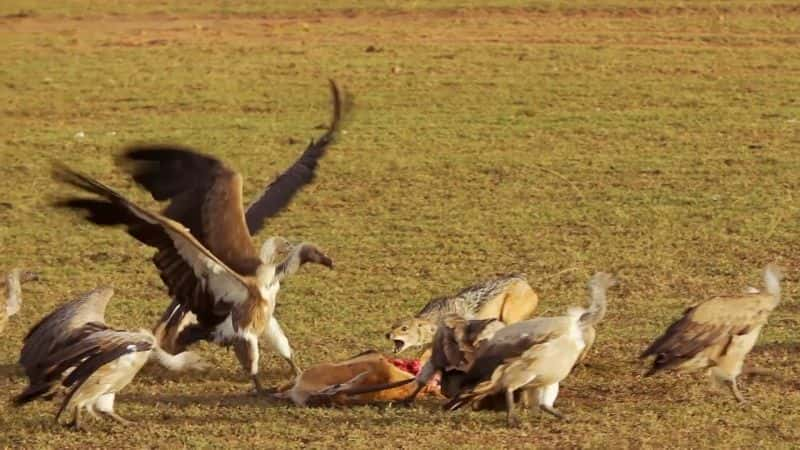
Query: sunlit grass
x,y
658,144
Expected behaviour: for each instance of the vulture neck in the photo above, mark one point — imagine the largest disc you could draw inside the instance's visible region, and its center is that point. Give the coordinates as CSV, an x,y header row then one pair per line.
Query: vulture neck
x,y
265,276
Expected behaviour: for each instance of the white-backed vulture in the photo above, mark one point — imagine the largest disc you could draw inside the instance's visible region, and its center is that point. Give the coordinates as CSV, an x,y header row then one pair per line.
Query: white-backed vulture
x,y
533,355
717,334
206,255
56,328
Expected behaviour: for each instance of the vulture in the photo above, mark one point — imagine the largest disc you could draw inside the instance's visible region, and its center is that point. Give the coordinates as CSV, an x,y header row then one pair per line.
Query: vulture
x,y
72,349
11,293
454,346
717,334
223,289
533,355
57,327
595,313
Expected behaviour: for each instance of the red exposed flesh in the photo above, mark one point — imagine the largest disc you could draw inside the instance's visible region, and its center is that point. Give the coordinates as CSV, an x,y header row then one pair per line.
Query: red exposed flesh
x,y
411,366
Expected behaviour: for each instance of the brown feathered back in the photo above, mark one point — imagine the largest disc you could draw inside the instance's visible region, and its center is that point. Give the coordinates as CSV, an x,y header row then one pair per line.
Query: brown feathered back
x,y
710,325
56,327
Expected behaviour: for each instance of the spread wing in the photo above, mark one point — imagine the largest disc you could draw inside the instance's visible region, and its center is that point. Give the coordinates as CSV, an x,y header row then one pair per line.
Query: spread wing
x,y
194,276
281,191
204,195
708,324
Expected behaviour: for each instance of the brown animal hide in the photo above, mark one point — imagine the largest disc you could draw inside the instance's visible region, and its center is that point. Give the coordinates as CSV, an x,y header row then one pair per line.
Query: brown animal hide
x,y
328,383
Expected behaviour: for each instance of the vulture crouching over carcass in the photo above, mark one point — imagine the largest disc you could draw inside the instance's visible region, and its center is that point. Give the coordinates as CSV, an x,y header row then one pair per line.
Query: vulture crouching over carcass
x,y
534,356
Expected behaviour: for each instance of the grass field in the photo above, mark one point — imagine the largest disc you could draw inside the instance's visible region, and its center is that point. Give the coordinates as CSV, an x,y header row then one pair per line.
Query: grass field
x,y
657,140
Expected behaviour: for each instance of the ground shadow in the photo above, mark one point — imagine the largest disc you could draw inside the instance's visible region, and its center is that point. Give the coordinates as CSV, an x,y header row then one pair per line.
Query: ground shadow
x,y
11,370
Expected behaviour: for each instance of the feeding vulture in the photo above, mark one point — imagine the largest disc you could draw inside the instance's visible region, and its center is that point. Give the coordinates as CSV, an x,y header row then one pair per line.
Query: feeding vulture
x,y
533,355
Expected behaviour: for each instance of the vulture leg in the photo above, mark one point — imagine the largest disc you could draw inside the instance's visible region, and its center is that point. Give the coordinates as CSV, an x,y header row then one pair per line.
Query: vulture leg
x,y
116,417
513,420
105,404
76,423
553,411
526,399
246,349
92,411
547,397
735,390
725,378
278,341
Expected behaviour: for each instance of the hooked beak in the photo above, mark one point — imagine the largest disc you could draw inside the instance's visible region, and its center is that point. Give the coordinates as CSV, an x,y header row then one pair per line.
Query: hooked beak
x,y
310,253
326,261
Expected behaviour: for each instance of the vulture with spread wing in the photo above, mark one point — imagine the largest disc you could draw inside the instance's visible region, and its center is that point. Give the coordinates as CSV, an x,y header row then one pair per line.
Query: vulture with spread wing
x,y
717,334
72,349
223,289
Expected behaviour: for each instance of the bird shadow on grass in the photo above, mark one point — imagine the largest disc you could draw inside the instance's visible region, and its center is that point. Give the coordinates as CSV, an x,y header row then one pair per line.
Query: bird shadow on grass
x,y
154,374
10,370
218,399
777,348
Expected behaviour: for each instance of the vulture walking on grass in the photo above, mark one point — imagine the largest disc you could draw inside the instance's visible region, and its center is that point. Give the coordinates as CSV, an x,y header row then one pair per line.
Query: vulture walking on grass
x,y
223,290
717,334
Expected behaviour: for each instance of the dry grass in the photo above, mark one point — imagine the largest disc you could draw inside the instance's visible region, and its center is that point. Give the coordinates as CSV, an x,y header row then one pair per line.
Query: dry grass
x,y
656,141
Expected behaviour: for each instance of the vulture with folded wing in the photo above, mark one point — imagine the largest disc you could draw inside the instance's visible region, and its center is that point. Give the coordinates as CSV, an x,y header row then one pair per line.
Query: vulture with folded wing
x,y
717,334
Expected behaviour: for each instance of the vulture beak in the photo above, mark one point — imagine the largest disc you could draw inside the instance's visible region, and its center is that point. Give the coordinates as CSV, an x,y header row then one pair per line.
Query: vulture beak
x,y
313,254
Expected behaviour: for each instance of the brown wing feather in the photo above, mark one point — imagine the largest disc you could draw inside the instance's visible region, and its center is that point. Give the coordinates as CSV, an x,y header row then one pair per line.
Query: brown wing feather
x,y
205,196
500,351
283,189
711,323
194,276
179,174
224,226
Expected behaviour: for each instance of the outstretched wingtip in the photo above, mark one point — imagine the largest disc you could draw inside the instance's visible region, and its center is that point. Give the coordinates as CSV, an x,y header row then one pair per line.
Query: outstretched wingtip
x,y
64,174
61,172
337,105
